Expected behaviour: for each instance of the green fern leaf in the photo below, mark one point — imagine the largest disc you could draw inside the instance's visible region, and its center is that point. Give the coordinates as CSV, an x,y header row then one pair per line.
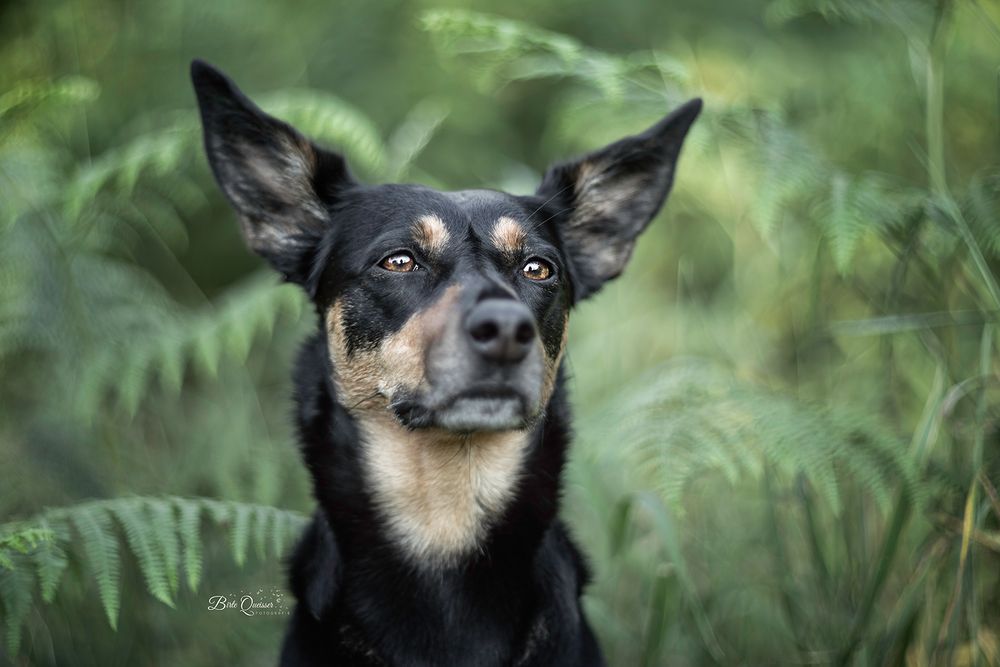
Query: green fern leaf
x,y
328,119
189,527
913,17
50,559
280,530
163,150
263,522
220,512
982,210
163,346
855,206
135,522
240,532
67,90
789,171
21,539
413,135
690,419
131,383
845,228
16,586
100,546
513,50
160,532
170,368
163,524
206,350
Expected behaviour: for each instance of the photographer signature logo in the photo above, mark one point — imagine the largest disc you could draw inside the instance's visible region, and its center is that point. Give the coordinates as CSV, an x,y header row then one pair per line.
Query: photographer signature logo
x,y
261,603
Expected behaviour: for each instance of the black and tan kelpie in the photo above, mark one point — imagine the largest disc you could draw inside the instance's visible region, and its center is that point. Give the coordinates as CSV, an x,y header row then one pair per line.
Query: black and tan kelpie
x,y
432,410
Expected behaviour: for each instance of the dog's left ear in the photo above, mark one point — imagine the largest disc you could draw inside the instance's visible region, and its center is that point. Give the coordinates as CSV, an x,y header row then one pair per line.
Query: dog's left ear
x,y
605,199
280,183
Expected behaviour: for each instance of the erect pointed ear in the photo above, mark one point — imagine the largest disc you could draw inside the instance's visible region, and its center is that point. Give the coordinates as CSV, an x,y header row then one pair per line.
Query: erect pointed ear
x,y
279,182
605,199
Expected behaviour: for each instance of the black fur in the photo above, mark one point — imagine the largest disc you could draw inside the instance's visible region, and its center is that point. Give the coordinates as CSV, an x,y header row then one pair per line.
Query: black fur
x,y
515,600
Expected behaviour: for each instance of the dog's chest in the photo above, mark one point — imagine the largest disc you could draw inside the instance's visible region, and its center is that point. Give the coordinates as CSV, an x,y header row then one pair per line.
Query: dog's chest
x,y
439,495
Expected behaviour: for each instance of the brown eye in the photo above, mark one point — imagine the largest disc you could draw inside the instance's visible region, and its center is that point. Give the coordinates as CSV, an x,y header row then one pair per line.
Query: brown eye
x,y
537,269
400,262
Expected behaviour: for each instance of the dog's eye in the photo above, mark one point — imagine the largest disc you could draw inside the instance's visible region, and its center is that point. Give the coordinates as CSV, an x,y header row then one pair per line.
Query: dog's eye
x,y
537,269
400,262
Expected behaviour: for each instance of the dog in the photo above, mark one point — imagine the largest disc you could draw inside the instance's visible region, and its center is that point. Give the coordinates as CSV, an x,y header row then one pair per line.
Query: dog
x,y
431,402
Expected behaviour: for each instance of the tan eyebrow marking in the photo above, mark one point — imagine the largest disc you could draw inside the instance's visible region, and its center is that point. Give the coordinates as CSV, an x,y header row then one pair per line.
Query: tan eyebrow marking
x,y
430,233
508,235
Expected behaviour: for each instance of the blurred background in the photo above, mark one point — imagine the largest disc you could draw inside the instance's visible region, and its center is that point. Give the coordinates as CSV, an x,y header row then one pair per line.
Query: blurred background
x,y
787,407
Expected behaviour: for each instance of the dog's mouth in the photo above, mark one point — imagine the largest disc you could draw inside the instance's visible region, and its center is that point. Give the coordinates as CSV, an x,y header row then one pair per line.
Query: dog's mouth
x,y
484,408
464,389
483,411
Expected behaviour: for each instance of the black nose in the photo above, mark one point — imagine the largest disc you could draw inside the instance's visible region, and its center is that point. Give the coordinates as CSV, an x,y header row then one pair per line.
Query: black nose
x,y
501,330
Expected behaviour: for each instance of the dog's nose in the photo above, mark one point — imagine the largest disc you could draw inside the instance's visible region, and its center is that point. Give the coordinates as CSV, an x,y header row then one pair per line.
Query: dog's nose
x,y
501,330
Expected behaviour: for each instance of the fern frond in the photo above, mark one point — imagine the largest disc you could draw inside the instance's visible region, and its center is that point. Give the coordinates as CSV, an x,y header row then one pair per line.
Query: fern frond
x,y
166,150
789,171
413,135
16,587
240,532
21,540
282,529
65,90
913,17
512,50
189,527
796,182
57,301
204,338
262,526
141,534
51,560
165,529
31,179
981,209
691,419
853,207
160,151
330,120
159,532
100,546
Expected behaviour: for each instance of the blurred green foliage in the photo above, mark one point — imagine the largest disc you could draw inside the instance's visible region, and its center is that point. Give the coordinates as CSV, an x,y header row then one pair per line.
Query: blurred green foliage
x,y
787,408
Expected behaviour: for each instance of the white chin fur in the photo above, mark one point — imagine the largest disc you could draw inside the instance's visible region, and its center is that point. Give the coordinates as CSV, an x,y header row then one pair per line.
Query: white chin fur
x,y
482,414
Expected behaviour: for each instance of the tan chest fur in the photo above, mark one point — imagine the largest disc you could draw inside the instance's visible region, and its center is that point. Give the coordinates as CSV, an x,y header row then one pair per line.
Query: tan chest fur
x,y
438,493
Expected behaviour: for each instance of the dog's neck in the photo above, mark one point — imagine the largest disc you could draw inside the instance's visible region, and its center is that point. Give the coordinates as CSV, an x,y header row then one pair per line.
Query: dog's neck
x,y
429,537
437,493
432,498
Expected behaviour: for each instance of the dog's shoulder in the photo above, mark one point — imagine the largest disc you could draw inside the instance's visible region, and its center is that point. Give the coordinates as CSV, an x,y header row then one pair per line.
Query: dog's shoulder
x,y
560,634
315,568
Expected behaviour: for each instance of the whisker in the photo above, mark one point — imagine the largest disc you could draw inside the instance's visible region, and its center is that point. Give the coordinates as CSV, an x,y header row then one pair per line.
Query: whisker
x,y
366,399
559,212
558,192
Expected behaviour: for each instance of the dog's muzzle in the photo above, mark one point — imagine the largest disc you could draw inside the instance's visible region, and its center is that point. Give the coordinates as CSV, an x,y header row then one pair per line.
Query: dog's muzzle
x,y
484,371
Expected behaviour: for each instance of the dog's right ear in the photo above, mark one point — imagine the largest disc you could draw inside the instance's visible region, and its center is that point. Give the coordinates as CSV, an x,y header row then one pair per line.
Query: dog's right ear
x,y
279,182
604,200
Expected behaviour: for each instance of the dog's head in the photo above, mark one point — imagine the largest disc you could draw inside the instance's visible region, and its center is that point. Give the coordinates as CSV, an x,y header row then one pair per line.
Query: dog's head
x,y
442,309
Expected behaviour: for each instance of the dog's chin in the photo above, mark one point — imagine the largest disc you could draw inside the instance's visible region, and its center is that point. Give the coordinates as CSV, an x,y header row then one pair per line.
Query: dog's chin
x,y
482,413
467,412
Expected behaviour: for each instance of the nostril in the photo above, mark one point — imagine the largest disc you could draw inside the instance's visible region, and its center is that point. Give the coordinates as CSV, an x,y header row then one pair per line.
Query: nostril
x,y
501,330
524,332
484,332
